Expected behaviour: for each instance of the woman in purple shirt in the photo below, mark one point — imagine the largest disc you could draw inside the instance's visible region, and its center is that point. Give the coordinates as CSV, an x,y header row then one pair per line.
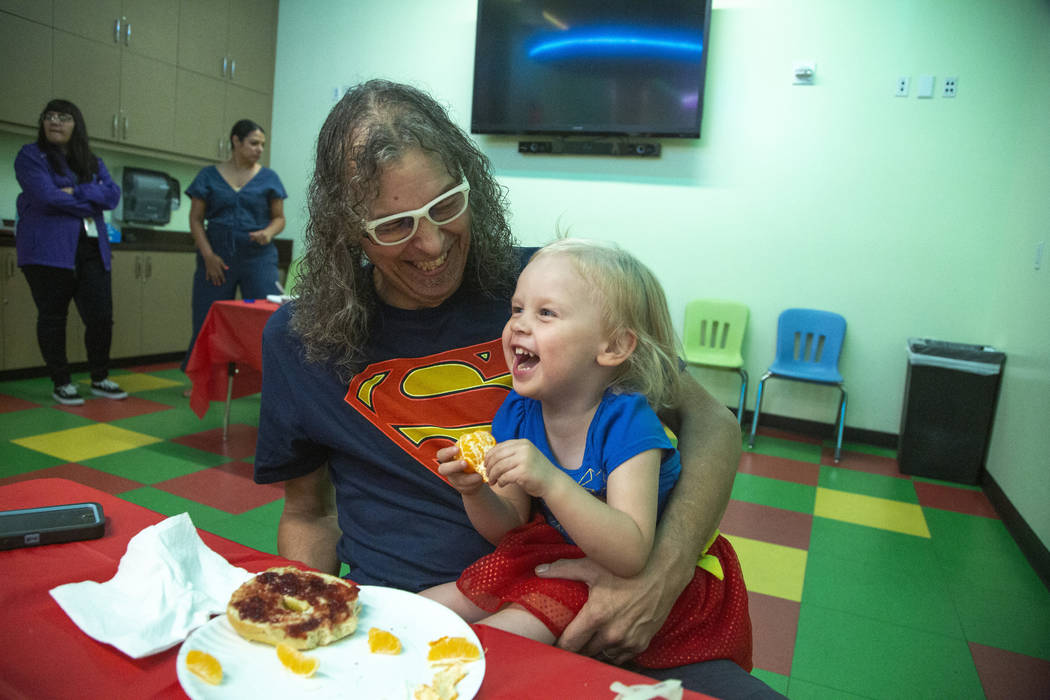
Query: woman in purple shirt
x,y
63,247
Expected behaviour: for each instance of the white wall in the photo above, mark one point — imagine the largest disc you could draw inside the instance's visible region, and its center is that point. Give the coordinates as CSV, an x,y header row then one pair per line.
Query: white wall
x,y
910,217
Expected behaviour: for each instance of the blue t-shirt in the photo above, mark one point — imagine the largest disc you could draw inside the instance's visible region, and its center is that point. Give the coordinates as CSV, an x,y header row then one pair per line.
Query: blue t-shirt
x,y
241,211
623,426
430,374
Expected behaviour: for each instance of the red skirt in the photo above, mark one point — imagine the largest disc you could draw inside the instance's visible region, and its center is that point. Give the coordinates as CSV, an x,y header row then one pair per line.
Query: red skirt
x,y
710,619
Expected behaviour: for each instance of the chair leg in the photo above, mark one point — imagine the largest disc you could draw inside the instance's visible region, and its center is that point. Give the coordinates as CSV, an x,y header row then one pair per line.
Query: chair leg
x,y
743,397
758,409
842,425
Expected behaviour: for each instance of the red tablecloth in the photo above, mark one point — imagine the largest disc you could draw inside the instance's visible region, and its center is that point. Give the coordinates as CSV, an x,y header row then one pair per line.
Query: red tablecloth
x,y
232,332
44,655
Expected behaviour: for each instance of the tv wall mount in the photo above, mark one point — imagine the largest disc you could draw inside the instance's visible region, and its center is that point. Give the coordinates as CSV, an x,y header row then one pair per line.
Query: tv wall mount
x,y
590,148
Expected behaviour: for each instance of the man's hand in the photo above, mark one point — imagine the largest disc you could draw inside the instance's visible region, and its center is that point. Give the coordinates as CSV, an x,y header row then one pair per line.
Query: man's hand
x,y
621,615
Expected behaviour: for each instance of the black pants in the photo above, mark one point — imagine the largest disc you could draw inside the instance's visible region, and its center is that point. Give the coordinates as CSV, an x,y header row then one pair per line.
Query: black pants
x,y
88,285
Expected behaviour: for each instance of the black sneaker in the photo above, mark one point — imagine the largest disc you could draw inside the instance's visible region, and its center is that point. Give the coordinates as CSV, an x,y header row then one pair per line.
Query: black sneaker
x,y
109,389
67,394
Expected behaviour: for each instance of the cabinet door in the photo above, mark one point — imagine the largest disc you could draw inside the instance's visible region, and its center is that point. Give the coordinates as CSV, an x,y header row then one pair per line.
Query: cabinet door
x,y
252,41
88,74
93,20
200,116
26,90
167,318
147,102
152,29
202,36
126,273
247,104
36,10
17,316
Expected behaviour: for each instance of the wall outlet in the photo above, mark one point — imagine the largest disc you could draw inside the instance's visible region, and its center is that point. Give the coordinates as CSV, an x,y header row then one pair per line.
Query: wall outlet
x,y
902,86
949,87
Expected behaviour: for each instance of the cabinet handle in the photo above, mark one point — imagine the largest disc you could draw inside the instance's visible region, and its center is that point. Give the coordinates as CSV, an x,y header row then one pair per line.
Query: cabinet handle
x,y
233,69
116,30
149,267
127,33
115,132
125,127
225,61
138,267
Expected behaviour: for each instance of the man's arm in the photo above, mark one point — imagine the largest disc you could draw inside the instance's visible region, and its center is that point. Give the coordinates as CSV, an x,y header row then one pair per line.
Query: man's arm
x,y
622,615
308,530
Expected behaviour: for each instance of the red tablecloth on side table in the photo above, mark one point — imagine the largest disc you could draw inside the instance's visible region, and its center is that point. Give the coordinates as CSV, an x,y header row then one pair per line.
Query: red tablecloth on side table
x,y
232,332
44,655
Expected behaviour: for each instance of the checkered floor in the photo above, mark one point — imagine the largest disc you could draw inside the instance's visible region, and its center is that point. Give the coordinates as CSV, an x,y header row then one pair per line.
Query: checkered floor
x,y
864,583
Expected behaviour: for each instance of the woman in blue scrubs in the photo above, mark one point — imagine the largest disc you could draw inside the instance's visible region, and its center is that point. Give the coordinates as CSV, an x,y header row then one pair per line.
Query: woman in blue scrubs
x,y
236,209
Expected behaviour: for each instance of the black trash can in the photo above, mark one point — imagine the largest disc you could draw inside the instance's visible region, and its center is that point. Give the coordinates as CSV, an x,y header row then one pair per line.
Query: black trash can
x,y
949,406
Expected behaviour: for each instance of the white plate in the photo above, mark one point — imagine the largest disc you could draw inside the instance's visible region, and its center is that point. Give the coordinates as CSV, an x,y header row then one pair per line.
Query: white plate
x,y
252,670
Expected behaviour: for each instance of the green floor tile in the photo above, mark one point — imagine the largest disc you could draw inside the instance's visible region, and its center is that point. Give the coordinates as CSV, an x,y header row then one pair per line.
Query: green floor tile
x,y
854,654
774,493
775,681
37,389
15,459
35,421
171,424
893,588
875,450
803,690
257,534
866,484
980,551
157,462
1017,623
790,449
836,538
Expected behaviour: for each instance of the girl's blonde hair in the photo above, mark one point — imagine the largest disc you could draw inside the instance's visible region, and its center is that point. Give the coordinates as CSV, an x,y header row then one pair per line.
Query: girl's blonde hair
x,y
630,298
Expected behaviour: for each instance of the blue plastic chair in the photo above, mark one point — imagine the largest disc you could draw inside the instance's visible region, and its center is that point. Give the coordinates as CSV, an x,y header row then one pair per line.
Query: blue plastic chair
x,y
809,343
713,336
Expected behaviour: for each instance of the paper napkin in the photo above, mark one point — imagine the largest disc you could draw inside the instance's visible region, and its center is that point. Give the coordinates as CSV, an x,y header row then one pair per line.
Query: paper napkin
x,y
670,689
168,583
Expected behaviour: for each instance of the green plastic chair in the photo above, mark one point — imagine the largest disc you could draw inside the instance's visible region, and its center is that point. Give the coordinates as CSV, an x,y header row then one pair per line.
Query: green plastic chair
x,y
714,336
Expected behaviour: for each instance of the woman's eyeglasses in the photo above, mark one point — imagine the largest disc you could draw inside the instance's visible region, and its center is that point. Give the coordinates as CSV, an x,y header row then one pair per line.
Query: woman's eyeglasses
x,y
398,228
57,117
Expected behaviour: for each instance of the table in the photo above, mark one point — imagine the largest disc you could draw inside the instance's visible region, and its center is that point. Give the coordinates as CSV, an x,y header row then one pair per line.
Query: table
x,y
226,362
52,658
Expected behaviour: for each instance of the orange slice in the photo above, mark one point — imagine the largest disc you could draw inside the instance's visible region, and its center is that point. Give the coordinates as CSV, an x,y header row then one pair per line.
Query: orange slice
x,y
383,642
450,650
472,449
204,666
296,661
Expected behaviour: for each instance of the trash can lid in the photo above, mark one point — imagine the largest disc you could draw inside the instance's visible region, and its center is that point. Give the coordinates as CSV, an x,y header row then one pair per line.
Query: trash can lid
x,y
975,359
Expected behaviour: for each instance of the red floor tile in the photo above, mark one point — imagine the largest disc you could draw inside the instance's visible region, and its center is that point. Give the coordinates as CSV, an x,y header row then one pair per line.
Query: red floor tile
x,y
775,525
104,410
9,404
786,435
1009,676
945,497
110,483
239,444
228,488
862,462
779,468
774,623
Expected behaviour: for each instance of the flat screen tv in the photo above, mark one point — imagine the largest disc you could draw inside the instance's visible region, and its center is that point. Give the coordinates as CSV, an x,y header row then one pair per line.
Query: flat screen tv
x,y
590,67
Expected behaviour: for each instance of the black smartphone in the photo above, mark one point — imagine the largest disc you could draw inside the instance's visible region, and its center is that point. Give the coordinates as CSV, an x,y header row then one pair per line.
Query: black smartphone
x,y
32,526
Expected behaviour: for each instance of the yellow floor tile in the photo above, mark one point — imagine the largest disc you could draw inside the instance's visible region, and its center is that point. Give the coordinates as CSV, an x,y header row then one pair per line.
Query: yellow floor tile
x,y
135,381
86,442
771,569
871,512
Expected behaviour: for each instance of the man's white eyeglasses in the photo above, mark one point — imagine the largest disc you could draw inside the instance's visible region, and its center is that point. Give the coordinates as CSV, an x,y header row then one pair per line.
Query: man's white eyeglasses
x,y
443,209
